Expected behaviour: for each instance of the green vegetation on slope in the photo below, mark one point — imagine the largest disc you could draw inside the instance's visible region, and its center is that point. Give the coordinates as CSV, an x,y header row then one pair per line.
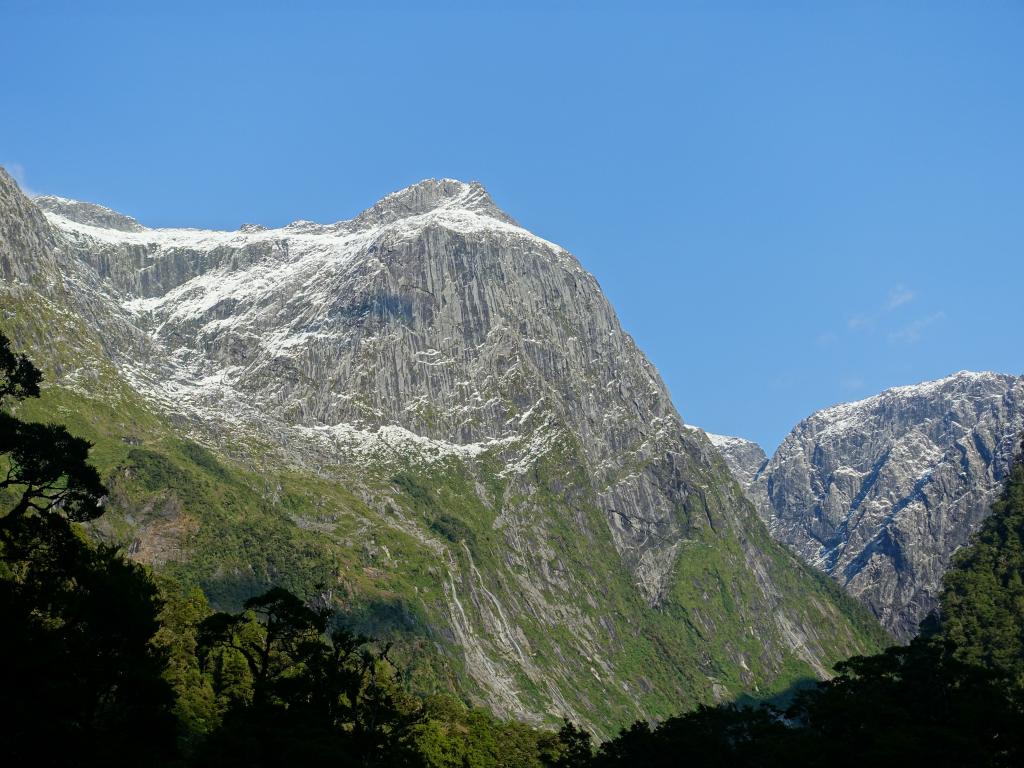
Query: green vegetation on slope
x,y
104,671
390,546
953,697
982,602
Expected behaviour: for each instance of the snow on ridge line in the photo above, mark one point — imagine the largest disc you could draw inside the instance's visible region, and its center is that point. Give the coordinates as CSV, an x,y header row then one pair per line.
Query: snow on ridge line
x,y
924,388
724,441
720,441
466,188
454,218
366,443
468,193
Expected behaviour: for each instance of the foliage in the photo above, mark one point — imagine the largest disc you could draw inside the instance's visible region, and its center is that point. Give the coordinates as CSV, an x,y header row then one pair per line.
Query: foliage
x,y
316,694
914,704
197,708
19,378
44,465
982,602
81,683
306,695
572,749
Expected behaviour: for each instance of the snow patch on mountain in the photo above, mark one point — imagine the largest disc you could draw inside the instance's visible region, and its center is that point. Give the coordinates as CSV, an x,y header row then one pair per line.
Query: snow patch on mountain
x,y
745,458
879,493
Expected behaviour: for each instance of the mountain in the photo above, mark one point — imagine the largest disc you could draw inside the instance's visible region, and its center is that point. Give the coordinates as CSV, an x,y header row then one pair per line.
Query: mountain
x,y
982,600
744,458
431,418
880,493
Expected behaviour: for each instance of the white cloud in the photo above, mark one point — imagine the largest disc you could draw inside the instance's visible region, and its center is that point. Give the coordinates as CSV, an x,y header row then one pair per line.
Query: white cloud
x,y
899,296
857,322
866,321
911,333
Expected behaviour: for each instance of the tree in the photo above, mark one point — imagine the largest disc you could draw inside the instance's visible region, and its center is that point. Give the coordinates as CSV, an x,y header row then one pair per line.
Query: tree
x,y
81,683
573,748
273,635
916,704
195,705
48,468
722,736
43,464
19,378
309,696
982,601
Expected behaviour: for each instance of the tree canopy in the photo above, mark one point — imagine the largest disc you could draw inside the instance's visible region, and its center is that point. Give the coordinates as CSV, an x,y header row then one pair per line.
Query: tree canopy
x,y
81,682
982,602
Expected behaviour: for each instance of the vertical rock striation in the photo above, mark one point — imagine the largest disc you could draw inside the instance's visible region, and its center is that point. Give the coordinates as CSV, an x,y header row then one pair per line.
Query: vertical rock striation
x,y
881,492
587,555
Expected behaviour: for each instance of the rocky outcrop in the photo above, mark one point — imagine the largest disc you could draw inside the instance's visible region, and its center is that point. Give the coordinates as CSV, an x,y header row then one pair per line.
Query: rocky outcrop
x,y
881,492
27,241
88,213
744,458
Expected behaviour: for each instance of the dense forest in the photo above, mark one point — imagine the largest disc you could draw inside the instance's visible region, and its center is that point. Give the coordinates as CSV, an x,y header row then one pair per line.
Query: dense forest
x,y
110,664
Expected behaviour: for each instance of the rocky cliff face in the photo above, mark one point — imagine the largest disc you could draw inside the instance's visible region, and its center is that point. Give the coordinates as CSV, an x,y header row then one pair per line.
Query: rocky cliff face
x,y
744,458
432,313
881,492
518,479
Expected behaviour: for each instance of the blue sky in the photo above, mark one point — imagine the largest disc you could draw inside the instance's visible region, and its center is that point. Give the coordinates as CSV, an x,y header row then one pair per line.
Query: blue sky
x,y
789,206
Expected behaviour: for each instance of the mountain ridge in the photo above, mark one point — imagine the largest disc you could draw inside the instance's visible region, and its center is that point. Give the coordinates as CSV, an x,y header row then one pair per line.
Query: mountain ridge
x,y
442,419
880,492
420,198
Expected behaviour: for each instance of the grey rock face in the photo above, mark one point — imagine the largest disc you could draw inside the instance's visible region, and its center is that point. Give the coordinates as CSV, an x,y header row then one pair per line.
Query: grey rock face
x,y
26,240
432,328
881,492
432,311
88,213
744,458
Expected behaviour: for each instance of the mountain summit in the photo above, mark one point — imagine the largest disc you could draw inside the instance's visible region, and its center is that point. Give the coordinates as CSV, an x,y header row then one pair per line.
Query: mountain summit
x,y
433,418
433,195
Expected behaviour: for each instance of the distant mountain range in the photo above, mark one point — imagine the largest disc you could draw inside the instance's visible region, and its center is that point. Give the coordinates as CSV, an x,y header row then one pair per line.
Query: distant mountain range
x,y
432,419
879,493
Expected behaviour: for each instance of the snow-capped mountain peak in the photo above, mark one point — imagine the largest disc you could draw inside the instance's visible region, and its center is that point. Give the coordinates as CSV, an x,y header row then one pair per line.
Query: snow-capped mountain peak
x,y
470,388
433,195
880,492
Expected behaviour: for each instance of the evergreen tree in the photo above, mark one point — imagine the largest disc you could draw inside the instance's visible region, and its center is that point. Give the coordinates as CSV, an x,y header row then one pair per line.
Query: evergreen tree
x,y
81,683
44,466
573,749
982,602
196,706
19,378
308,696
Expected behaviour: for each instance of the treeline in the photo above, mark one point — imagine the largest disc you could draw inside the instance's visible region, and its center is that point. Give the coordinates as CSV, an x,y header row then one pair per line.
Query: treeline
x,y
105,665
